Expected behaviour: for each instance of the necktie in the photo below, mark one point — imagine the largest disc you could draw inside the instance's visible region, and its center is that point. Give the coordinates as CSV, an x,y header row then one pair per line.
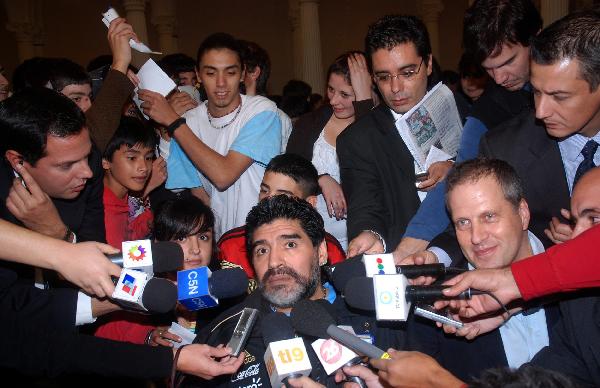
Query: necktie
x,y
588,152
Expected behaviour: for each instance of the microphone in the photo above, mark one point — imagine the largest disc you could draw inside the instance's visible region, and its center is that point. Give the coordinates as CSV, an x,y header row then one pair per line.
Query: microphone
x,y
391,295
149,257
201,288
135,291
286,356
311,318
333,355
370,265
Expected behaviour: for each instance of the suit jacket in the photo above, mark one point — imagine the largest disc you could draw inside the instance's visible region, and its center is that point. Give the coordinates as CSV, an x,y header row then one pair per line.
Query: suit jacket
x,y
575,351
524,143
42,339
378,177
463,358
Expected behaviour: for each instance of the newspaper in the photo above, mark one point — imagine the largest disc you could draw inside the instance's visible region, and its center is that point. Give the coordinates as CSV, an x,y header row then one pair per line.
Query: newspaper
x,y
432,128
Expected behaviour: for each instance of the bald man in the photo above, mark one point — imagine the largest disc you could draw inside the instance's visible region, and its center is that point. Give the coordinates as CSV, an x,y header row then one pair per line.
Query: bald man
x,y
585,202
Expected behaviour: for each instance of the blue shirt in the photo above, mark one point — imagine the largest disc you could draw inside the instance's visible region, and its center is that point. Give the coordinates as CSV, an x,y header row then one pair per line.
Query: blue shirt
x,y
570,152
526,332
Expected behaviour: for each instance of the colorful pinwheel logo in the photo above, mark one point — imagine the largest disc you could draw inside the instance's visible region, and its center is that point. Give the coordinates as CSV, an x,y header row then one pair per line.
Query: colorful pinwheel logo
x,y
137,253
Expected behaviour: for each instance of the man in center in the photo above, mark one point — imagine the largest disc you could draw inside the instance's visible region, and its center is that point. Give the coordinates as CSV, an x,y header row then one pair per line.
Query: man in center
x,y
286,243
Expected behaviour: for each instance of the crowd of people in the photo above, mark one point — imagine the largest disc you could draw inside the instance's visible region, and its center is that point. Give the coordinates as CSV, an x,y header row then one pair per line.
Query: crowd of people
x,y
284,187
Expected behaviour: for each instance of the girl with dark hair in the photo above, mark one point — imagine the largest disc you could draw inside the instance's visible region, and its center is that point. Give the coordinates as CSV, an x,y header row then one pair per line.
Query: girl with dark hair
x,y
350,95
189,222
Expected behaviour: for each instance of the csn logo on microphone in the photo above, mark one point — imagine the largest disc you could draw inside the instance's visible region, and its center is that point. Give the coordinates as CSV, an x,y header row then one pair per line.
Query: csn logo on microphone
x,y
130,285
390,297
137,253
381,264
193,289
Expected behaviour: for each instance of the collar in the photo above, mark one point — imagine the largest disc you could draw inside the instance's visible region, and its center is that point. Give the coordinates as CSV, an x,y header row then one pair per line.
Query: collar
x,y
396,116
574,144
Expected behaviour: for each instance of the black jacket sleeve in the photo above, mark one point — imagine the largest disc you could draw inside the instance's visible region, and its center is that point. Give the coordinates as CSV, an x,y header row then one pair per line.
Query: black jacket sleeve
x,y
40,339
92,224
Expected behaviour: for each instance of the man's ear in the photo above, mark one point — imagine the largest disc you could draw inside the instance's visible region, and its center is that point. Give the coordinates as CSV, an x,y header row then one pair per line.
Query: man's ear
x,y
524,213
105,164
323,255
312,199
197,71
254,74
429,64
13,158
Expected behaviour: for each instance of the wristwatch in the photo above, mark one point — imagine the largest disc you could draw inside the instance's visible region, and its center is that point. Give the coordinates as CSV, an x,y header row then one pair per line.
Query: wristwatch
x,y
174,125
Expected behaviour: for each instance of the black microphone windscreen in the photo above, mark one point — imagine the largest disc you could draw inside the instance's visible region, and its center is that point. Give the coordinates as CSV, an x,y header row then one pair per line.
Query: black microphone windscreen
x,y
276,327
160,296
359,293
167,256
341,273
310,318
227,283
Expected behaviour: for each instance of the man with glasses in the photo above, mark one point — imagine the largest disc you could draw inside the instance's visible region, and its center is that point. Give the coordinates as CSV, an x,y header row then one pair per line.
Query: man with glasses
x,y
377,169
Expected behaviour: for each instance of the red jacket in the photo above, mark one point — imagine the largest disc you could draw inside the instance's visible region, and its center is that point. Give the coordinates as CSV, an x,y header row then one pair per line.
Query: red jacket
x,y
232,247
568,266
118,223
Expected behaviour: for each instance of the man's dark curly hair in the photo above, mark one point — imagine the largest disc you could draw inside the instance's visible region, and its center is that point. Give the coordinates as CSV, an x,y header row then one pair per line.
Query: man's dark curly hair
x,y
287,208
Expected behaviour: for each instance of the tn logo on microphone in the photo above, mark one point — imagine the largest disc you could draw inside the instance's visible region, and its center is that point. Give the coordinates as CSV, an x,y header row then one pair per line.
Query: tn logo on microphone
x,y
385,297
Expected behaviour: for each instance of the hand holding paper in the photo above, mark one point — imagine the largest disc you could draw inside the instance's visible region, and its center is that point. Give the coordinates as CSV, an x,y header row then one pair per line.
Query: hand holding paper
x,y
152,78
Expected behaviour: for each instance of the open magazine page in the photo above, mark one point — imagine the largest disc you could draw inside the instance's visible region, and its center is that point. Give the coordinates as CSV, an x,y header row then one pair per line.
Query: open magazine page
x,y
433,122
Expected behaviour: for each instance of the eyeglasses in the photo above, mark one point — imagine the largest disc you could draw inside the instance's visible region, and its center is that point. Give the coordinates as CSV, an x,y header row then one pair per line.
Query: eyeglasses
x,y
386,78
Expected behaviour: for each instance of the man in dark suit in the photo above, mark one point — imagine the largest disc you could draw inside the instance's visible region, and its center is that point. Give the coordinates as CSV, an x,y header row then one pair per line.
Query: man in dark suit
x,y
377,169
551,158
46,143
486,202
551,147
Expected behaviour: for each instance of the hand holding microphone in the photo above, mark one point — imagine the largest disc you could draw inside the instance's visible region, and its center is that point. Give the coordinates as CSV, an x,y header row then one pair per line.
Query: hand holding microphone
x,y
413,369
367,375
85,265
499,282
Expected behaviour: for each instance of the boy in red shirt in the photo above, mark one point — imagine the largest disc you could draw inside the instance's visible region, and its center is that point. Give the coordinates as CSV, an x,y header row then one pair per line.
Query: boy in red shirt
x,y
127,162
